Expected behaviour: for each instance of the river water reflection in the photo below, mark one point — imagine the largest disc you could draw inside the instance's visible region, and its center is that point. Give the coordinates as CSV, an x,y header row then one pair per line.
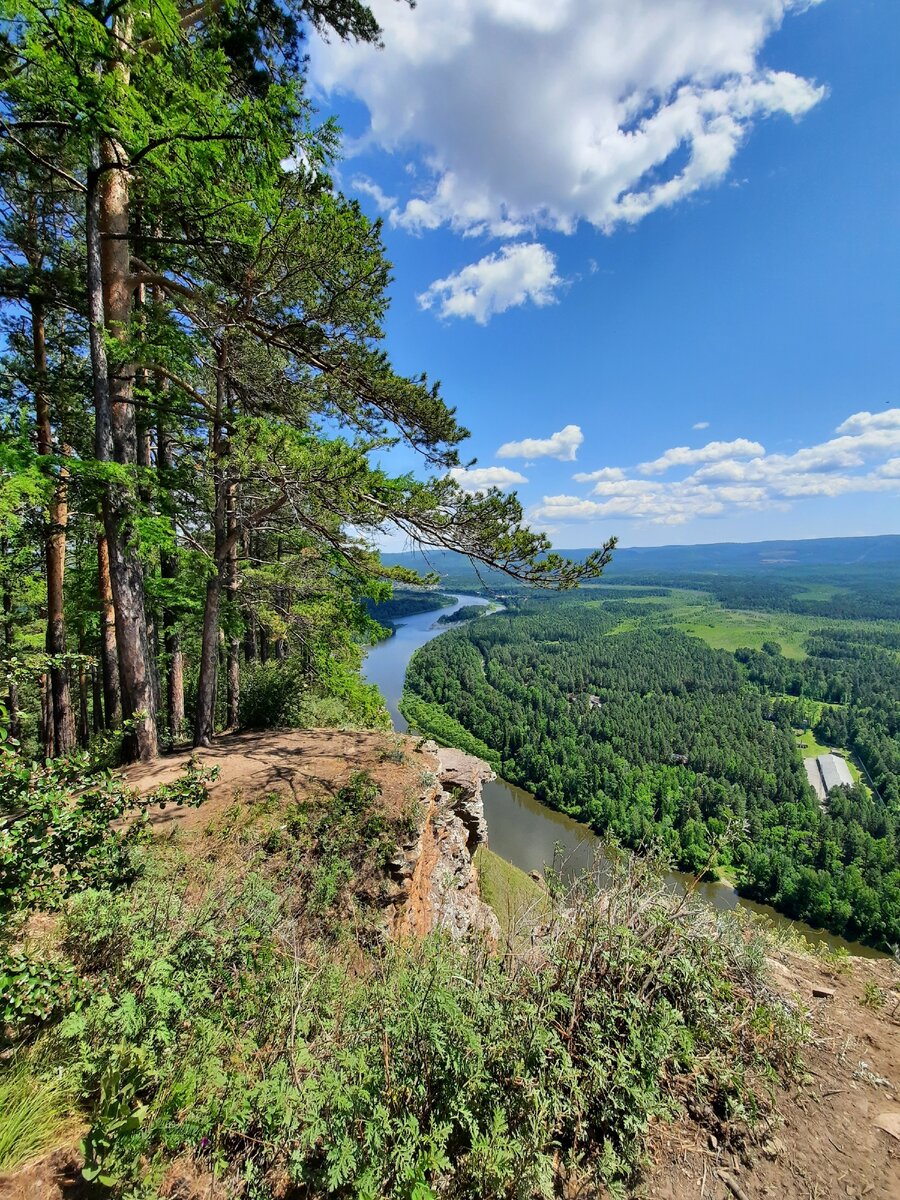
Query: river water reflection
x,y
520,828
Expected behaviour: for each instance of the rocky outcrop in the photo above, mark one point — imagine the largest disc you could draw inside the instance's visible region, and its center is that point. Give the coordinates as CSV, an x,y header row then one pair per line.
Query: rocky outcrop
x,y
433,883
436,873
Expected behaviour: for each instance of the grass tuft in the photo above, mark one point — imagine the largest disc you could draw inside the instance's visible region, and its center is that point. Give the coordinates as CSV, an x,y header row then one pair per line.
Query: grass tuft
x,y
35,1117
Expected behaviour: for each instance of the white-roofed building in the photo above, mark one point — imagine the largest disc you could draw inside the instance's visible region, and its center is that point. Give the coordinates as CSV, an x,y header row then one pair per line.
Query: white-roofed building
x,y
814,775
835,772
826,772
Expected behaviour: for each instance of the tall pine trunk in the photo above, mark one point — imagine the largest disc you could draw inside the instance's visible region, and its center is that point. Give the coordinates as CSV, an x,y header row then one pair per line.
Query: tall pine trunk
x,y
205,719
59,700
168,568
205,716
233,693
109,652
109,304
144,444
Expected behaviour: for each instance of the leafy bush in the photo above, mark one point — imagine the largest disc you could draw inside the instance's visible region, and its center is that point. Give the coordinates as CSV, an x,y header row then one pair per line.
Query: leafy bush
x,y
271,694
58,832
418,1069
33,989
279,694
63,830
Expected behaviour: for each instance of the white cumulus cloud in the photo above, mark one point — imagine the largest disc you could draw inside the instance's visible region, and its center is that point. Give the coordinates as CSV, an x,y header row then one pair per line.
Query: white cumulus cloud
x,y
605,473
866,422
864,459
562,445
700,425
516,274
684,456
478,479
533,113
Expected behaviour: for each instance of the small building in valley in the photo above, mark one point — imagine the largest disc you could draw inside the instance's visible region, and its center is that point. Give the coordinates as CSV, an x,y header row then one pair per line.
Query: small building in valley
x,y
826,772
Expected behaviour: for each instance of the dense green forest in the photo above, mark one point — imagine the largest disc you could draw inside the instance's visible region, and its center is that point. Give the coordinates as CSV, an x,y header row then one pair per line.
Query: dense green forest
x,y
610,713
466,613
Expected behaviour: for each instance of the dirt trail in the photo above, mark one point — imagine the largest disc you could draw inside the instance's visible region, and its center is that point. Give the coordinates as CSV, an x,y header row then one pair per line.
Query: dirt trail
x,y
832,1141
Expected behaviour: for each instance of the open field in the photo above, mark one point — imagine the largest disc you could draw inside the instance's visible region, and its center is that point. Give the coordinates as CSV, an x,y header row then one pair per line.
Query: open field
x,y
809,747
722,628
728,629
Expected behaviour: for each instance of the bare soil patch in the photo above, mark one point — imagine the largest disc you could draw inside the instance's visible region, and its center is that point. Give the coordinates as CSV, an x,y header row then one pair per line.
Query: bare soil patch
x,y
830,1142
297,764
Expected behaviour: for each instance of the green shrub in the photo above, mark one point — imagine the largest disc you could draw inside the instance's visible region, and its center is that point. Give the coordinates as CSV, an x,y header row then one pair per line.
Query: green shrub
x,y
59,831
33,989
272,694
280,694
421,1069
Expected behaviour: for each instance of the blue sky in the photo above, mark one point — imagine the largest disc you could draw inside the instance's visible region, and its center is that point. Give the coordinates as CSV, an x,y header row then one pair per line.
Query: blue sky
x,y
650,249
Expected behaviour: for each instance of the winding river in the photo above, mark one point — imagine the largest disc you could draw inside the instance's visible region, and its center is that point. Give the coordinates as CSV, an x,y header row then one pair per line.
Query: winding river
x,y
520,828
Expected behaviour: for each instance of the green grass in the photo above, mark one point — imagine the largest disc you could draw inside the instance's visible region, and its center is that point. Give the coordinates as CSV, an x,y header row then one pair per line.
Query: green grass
x,y
507,889
695,614
721,628
35,1117
727,629
675,599
809,747
626,626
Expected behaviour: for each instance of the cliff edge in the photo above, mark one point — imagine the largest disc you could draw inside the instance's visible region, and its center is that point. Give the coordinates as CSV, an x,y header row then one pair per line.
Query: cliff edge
x,y
431,882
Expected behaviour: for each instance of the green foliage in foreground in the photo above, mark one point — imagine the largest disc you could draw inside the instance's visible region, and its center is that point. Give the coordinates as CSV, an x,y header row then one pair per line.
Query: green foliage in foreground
x,y
35,1116
57,826
236,1005
277,695
64,828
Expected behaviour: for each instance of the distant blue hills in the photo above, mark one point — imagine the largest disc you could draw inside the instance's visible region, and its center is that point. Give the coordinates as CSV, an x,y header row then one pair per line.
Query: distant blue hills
x,y
859,553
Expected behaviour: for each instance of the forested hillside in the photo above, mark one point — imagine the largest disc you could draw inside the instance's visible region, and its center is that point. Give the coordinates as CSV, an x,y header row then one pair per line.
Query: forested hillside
x,y
609,712
845,578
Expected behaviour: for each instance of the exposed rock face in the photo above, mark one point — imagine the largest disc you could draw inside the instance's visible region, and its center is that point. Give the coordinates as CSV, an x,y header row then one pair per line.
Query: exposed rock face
x,y
441,889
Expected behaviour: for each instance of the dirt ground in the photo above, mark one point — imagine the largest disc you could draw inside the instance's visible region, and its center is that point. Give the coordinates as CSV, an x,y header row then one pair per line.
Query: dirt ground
x,y
839,1129
296,763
